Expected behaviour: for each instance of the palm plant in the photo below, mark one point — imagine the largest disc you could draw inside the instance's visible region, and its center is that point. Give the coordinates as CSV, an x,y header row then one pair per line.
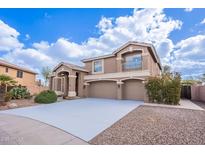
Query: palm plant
x,y
6,81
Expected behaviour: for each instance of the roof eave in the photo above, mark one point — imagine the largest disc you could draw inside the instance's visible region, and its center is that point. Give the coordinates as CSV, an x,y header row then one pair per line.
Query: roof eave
x,y
62,63
97,58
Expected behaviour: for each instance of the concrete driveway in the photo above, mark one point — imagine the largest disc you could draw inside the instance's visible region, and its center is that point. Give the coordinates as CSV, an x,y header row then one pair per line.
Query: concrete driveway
x,y
84,118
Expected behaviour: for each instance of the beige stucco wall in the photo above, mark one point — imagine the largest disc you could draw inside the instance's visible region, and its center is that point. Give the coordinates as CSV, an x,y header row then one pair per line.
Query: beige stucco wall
x,y
28,79
198,93
110,65
153,67
80,85
114,64
88,66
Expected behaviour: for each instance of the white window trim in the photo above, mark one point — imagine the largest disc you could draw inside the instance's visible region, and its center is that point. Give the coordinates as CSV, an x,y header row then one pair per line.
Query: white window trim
x,y
140,55
93,72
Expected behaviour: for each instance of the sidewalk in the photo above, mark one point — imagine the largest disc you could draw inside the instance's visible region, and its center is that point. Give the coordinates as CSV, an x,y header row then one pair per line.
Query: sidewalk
x,y
184,104
20,130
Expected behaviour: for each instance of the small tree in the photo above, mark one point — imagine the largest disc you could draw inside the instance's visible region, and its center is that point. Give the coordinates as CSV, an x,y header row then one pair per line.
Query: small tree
x,y
6,81
164,89
46,71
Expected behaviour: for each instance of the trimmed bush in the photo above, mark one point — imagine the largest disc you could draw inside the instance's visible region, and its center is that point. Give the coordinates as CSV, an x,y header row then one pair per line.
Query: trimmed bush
x,y
165,89
45,97
19,93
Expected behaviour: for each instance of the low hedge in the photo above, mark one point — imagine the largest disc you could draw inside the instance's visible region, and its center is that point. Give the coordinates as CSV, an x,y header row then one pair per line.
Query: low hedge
x,y
46,97
165,89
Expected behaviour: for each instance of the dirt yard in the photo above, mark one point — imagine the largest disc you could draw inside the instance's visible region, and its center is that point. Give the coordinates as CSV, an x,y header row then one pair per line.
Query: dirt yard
x,y
18,103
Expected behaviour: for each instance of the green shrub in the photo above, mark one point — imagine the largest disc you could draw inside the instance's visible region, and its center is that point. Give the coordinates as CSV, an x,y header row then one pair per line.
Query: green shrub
x,y
165,89
7,97
154,86
19,93
47,96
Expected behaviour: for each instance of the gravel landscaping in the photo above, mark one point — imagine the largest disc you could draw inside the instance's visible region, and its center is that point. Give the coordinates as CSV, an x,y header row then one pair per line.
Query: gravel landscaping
x,y
156,125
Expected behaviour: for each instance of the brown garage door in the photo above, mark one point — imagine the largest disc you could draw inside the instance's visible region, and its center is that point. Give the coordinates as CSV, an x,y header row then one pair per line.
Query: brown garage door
x,y
103,89
133,89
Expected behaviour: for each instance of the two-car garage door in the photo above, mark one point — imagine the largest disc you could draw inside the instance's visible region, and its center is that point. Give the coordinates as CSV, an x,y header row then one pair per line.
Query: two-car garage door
x,y
131,89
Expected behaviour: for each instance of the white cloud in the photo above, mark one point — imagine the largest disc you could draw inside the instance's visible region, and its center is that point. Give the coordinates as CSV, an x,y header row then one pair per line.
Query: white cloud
x,y
192,47
8,38
146,25
43,45
29,57
104,24
189,55
188,9
27,37
203,21
164,47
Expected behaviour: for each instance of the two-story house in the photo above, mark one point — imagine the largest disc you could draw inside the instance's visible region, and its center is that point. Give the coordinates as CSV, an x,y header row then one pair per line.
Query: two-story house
x,y
120,75
22,76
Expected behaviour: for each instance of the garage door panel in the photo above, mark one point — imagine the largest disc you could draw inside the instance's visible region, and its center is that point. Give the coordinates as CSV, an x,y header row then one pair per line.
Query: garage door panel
x,y
133,90
103,89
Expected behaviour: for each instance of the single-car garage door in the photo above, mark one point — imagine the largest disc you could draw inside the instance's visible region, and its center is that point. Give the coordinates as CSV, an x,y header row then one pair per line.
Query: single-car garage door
x,y
133,89
103,89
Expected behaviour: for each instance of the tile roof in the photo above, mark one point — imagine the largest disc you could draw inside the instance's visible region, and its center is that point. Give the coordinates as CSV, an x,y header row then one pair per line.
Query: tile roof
x,y
72,66
76,67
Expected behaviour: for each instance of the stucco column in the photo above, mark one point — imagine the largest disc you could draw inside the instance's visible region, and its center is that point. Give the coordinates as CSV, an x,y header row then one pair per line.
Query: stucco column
x,y
119,63
86,86
71,90
53,84
119,89
146,98
50,82
145,61
65,85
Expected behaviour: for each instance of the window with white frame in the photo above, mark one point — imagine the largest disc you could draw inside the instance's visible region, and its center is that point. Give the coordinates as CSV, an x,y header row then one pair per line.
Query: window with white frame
x,y
98,66
133,62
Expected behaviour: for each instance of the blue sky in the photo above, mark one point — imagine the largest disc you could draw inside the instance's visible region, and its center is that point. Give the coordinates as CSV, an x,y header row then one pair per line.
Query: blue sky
x,y
43,37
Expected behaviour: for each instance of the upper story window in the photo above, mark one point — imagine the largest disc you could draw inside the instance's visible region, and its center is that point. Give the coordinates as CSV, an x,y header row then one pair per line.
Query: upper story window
x,y
132,62
6,69
98,66
19,74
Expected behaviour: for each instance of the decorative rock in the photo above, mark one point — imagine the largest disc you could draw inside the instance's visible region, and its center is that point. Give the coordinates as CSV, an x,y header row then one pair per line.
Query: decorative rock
x,y
12,105
59,93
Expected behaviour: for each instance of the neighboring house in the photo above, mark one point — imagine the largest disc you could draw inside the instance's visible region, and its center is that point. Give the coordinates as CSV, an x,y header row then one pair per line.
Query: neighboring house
x,y
23,76
119,75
